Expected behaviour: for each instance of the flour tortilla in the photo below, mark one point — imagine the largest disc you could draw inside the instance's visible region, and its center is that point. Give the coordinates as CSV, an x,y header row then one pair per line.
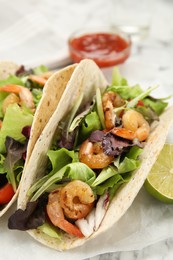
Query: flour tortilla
x,y
86,78
52,93
7,68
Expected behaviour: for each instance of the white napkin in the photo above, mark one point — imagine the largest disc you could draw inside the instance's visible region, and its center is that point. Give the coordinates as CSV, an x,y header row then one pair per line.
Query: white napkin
x,y
36,32
30,39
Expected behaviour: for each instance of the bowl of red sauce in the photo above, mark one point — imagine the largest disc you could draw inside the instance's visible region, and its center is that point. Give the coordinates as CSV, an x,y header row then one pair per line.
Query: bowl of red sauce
x,y
106,47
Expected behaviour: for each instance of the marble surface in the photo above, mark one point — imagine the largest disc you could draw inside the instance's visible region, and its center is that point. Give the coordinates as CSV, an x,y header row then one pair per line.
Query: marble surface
x,y
149,63
159,251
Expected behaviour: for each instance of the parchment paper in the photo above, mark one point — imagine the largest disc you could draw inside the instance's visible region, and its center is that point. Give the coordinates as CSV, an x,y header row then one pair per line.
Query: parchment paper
x,y
146,222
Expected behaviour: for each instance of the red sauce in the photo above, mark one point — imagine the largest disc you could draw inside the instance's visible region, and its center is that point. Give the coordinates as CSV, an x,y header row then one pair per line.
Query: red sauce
x,y
105,49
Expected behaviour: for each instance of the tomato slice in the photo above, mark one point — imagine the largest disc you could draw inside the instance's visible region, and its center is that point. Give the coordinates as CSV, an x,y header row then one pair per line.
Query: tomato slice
x,y
6,193
140,103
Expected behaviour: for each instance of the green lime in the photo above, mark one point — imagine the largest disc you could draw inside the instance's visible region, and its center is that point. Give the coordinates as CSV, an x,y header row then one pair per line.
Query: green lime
x,y
159,182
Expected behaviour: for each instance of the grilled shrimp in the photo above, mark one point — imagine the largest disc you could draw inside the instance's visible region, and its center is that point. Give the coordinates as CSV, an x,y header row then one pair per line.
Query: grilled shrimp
x,y
56,215
42,78
24,94
76,199
134,126
93,156
110,100
10,99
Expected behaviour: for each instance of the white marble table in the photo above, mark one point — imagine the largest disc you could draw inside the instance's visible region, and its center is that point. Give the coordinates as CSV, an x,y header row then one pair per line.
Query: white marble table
x,y
159,251
150,63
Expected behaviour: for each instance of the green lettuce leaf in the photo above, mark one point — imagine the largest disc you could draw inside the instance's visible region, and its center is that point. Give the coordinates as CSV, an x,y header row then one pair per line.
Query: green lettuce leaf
x,y
2,159
126,92
117,79
111,176
12,165
128,165
74,171
60,158
40,69
12,79
57,159
148,113
112,190
158,105
131,161
90,123
14,121
37,94
112,183
50,230
105,174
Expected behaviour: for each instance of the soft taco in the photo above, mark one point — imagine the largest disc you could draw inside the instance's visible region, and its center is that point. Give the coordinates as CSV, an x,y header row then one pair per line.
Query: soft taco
x,y
24,102
91,159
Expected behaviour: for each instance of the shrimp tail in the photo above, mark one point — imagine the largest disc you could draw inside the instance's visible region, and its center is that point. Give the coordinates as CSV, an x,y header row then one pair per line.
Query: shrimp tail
x,y
124,133
38,79
70,228
11,88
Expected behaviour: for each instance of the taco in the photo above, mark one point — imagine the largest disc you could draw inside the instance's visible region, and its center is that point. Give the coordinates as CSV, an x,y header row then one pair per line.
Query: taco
x,y
23,103
91,159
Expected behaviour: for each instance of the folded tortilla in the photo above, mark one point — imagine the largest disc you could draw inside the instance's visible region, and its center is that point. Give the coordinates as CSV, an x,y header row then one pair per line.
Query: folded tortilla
x,y
86,78
52,93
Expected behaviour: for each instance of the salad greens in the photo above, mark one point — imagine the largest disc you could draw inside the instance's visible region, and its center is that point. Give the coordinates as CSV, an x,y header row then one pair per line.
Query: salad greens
x,y
87,122
15,118
65,163
14,121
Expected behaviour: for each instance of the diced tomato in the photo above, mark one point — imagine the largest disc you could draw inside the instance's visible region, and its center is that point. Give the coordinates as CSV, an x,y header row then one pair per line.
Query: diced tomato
x,y
6,193
140,103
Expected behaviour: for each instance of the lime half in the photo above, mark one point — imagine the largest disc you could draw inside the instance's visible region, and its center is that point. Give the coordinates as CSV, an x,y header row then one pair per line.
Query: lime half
x,y
159,182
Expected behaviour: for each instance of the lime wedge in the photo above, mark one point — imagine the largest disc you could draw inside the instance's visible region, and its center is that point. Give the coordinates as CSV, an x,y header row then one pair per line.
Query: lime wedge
x,y
159,182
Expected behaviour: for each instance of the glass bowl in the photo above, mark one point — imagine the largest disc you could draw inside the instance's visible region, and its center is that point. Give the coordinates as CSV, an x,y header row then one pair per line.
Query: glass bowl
x,y
105,46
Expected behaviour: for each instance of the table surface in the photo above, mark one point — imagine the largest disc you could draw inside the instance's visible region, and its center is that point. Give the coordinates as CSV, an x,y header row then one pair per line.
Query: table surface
x,y
153,54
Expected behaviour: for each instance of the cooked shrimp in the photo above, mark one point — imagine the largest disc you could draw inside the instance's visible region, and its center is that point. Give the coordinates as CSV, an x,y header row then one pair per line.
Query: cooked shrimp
x,y
135,126
42,78
76,199
38,79
10,99
56,215
92,155
110,100
24,94
123,132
